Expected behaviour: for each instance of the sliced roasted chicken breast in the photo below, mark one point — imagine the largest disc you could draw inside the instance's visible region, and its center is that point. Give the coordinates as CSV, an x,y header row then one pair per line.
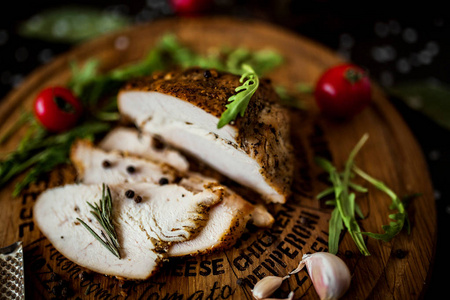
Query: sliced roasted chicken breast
x,y
95,165
227,220
131,141
184,108
145,228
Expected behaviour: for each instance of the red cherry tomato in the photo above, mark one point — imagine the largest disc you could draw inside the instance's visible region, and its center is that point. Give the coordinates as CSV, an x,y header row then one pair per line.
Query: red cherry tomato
x,y
343,91
190,7
57,109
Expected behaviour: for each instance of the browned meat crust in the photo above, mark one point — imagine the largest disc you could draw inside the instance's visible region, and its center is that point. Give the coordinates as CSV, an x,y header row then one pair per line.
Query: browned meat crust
x,y
263,132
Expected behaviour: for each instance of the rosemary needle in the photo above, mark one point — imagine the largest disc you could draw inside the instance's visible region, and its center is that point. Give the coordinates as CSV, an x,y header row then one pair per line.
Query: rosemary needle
x,y
103,214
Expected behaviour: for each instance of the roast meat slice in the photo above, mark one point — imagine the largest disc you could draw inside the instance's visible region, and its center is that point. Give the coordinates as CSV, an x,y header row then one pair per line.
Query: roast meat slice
x,y
131,141
227,219
95,165
145,228
184,108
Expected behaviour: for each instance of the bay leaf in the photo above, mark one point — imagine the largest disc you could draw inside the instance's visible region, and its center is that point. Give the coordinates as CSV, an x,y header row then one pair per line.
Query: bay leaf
x,y
428,97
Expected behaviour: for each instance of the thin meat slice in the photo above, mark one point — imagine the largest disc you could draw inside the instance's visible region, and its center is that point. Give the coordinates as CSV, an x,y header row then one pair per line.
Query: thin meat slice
x,y
184,108
95,165
227,219
145,228
131,141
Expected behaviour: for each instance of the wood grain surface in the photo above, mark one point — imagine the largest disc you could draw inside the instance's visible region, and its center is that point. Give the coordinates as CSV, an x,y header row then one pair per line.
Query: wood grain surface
x,y
399,269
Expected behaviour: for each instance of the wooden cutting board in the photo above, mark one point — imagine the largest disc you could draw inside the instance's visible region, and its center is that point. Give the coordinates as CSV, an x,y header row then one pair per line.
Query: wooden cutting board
x,y
399,269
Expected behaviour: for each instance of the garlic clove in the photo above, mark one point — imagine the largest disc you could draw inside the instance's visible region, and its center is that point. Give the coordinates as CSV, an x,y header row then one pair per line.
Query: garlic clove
x,y
329,274
289,297
267,286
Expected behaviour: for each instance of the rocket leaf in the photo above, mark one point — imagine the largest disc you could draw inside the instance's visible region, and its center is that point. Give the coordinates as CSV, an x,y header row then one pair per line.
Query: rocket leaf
x,y
239,102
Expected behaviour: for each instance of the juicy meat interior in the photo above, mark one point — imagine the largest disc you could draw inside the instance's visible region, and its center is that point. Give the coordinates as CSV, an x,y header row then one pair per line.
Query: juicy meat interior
x,y
227,219
131,141
95,165
184,107
165,214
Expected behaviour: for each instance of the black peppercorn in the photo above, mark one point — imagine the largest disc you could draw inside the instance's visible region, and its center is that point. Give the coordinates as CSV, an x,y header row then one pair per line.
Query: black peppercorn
x,y
131,169
207,74
138,199
163,181
129,194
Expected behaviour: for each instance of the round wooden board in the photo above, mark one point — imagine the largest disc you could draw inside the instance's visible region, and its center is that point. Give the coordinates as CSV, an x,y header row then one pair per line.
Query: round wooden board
x,y
399,269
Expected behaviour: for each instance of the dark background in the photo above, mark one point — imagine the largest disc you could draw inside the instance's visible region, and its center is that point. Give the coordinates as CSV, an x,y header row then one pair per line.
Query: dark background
x,y
394,43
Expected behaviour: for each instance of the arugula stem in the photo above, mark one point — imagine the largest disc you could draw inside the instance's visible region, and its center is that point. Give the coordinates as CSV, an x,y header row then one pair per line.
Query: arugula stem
x,y
400,219
23,119
381,186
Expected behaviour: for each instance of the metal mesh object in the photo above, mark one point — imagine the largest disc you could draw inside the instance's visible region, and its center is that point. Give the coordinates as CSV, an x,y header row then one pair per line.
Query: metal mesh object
x,y
12,281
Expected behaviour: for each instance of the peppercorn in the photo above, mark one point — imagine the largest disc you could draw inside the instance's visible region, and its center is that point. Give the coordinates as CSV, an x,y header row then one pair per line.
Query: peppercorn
x,y
131,169
138,199
207,74
163,181
129,194
106,164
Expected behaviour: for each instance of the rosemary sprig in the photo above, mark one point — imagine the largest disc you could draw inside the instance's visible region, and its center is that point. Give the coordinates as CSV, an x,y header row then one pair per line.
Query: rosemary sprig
x,y
103,214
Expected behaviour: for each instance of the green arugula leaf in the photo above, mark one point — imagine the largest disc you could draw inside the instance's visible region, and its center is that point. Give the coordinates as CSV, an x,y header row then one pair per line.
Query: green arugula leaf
x,y
239,101
289,99
347,208
40,151
345,204
336,227
24,118
400,218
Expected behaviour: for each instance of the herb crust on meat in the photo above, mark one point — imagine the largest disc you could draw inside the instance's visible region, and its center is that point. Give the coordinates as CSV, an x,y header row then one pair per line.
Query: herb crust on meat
x,y
263,131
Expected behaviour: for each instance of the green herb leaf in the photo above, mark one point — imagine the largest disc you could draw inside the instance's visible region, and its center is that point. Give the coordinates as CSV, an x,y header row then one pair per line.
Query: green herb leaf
x,y
102,212
40,151
426,97
346,206
335,229
400,218
25,117
289,99
72,24
239,101
344,201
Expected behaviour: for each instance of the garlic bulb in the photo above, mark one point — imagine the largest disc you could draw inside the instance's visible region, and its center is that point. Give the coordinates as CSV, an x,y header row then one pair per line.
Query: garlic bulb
x,y
329,274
